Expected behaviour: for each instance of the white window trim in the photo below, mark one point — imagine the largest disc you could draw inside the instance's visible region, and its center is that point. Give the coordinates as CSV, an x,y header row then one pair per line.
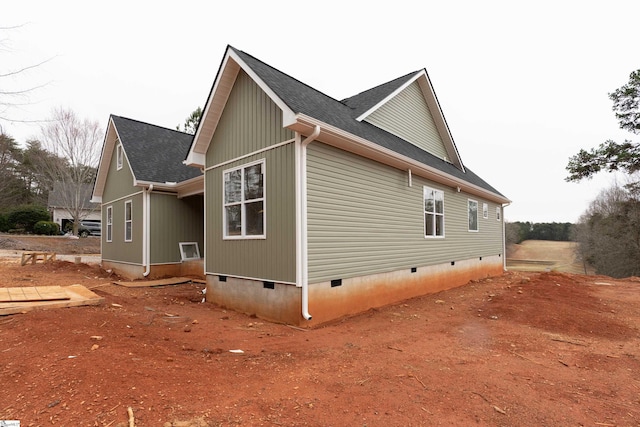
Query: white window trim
x,y
119,157
424,213
183,245
128,202
498,213
485,211
477,216
242,235
109,230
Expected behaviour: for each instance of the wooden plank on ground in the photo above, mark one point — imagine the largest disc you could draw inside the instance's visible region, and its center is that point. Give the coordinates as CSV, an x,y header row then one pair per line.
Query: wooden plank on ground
x,y
51,292
32,293
76,295
150,283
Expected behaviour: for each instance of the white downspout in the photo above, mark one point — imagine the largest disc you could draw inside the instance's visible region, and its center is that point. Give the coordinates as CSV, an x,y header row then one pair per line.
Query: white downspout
x,y
504,240
303,249
146,230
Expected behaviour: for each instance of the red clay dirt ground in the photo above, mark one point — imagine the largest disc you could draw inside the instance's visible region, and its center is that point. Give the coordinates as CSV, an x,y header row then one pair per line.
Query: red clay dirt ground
x,y
522,349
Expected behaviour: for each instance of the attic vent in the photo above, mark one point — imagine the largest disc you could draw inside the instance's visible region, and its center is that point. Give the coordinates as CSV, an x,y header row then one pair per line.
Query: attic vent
x,y
268,285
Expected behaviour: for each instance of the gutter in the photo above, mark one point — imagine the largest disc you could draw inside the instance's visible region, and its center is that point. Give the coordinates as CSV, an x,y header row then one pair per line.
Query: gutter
x,y
358,145
302,247
146,229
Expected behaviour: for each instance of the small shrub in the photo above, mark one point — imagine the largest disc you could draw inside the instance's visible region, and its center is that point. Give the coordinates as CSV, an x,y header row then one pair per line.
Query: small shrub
x,y
4,223
48,228
26,217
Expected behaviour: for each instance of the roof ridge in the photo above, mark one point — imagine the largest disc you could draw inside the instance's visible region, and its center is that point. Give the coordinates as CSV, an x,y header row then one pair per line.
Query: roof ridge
x,y
150,124
287,75
412,73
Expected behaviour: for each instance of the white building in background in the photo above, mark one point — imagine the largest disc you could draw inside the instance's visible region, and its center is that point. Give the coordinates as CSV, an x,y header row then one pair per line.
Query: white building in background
x,y
61,208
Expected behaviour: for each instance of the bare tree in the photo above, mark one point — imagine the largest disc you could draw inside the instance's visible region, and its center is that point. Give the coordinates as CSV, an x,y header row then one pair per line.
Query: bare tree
x,y
609,233
12,97
77,142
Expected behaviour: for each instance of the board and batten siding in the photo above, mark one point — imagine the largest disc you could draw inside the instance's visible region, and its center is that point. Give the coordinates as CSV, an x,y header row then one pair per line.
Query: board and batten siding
x,y
251,121
118,189
119,182
274,257
363,219
118,249
173,221
407,116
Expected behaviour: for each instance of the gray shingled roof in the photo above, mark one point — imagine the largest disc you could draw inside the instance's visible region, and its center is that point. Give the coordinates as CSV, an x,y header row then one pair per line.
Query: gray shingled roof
x,y
363,101
155,153
303,99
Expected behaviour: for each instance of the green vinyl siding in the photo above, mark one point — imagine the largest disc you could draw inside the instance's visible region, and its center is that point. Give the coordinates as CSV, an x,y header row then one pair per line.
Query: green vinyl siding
x,y
407,116
118,189
173,221
271,258
251,121
363,218
118,249
119,182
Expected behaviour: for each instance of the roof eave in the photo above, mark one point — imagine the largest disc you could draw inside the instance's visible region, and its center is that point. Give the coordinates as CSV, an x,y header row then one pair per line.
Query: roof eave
x,y
105,160
346,141
439,119
222,86
434,107
184,188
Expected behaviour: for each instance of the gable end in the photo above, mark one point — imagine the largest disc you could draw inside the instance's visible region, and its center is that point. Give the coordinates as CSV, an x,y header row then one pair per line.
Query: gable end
x,y
407,116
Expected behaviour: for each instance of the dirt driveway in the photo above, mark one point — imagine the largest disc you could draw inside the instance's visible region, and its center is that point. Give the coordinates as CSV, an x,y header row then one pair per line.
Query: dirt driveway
x,y
523,349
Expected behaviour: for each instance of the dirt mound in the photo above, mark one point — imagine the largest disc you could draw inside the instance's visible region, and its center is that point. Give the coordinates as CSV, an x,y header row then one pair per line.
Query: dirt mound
x,y
58,244
524,349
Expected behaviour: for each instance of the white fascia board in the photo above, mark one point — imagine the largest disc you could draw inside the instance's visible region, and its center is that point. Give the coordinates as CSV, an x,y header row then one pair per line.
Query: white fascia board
x,y
338,138
193,185
390,96
223,85
438,117
216,101
167,186
275,98
434,106
105,160
195,159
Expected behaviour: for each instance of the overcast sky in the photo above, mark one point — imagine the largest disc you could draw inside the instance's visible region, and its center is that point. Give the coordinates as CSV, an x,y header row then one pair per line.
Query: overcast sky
x,y
523,86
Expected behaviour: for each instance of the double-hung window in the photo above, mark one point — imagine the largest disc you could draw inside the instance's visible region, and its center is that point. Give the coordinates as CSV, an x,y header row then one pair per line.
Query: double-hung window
x,y
119,161
244,201
109,223
473,215
128,221
433,212
485,210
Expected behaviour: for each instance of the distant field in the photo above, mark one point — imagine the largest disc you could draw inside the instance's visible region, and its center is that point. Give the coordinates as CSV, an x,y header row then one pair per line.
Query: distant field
x,y
544,255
